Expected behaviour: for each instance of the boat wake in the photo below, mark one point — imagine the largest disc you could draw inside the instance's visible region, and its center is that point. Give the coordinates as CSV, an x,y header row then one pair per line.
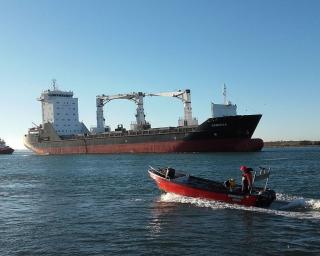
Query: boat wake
x,y
295,202
313,204
285,205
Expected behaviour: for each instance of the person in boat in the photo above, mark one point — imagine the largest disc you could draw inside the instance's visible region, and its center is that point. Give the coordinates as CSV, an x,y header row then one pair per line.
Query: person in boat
x,y
170,173
246,178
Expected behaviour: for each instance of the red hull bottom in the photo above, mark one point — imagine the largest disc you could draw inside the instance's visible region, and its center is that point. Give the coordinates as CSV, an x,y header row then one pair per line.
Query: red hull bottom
x,y
223,145
183,190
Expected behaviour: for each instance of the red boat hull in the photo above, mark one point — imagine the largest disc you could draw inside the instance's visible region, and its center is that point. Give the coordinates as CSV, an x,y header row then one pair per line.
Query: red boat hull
x,y
85,147
184,190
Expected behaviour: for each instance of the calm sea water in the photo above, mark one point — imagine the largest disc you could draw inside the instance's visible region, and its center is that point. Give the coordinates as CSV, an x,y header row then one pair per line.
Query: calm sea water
x,y
107,205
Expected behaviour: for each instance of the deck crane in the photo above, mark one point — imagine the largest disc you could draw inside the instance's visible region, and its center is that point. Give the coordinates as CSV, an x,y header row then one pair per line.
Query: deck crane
x,y
185,97
137,98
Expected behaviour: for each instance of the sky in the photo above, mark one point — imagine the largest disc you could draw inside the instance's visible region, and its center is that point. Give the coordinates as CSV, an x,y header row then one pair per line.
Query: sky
x,y
266,52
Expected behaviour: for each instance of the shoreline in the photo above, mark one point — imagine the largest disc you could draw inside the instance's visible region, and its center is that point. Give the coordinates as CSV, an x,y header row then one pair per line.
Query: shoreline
x,y
291,143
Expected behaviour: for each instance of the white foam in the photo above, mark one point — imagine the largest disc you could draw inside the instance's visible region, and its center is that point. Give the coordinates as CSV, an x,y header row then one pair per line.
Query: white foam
x,y
313,203
294,204
174,198
215,205
308,202
285,197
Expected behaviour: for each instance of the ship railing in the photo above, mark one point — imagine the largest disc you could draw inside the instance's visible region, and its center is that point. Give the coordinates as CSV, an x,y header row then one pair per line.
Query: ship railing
x,y
169,130
262,175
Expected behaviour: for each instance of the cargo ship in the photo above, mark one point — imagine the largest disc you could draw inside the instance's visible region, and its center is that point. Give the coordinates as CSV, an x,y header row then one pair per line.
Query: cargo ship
x,y
4,149
62,133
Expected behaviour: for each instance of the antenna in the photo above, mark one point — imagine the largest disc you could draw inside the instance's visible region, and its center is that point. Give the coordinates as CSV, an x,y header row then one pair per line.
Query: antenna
x,y
54,84
225,94
35,125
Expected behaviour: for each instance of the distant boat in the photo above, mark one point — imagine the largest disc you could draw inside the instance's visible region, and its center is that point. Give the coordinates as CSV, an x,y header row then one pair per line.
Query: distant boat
x,y
4,149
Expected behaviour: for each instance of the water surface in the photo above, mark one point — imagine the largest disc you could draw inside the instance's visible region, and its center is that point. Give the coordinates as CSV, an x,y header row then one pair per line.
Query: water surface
x,y
107,205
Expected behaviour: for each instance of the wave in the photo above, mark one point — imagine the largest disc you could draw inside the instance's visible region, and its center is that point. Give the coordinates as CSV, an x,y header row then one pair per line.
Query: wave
x,y
277,159
309,203
300,208
285,197
4,194
313,204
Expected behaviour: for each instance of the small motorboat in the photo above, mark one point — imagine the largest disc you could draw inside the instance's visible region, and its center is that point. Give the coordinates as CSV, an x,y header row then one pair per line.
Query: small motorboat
x,y
170,180
4,149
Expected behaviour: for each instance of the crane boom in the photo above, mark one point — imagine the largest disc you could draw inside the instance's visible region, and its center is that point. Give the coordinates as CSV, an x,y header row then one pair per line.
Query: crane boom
x,y
101,100
107,98
167,94
141,123
185,97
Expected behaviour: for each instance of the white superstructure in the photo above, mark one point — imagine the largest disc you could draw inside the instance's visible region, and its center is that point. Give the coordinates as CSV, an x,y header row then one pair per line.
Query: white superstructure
x,y
61,110
2,143
226,109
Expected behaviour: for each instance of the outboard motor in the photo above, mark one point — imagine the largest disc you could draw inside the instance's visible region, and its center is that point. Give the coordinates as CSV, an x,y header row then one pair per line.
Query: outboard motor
x,y
265,198
170,173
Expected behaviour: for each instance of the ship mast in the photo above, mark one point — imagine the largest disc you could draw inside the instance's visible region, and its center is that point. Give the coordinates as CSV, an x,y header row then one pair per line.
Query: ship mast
x,y
54,85
225,94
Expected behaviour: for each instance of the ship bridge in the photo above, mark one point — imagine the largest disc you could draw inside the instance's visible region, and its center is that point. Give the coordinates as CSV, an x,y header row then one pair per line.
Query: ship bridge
x,y
61,110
